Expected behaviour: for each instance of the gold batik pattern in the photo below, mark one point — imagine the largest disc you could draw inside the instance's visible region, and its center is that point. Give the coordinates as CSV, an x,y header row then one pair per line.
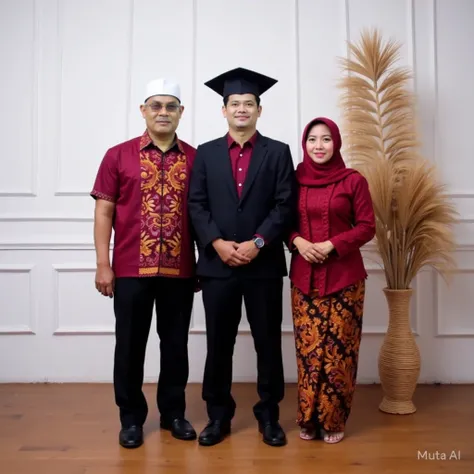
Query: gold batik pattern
x,y
327,336
163,180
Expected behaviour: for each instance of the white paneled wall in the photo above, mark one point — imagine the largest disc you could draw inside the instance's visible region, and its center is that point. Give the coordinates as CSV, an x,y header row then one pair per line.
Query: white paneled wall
x,y
73,76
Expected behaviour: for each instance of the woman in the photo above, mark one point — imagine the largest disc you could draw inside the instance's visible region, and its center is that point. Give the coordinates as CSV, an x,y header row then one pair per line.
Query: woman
x,y
335,218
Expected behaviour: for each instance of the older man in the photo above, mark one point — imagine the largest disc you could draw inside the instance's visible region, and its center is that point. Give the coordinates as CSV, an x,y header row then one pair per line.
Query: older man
x,y
140,192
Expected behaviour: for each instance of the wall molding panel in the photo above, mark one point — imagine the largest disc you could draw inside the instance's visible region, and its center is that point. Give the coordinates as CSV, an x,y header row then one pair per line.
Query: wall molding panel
x,y
29,154
60,119
442,323
29,326
59,310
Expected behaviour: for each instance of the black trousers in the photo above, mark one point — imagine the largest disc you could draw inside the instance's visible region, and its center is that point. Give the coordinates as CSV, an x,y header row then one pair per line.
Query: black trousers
x,y
222,300
133,305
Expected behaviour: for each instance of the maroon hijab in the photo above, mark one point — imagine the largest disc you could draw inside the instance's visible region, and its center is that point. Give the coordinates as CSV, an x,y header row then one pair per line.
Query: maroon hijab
x,y
309,173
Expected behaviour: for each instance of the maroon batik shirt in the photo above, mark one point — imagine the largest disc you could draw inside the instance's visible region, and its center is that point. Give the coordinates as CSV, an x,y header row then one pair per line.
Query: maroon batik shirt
x,y
151,222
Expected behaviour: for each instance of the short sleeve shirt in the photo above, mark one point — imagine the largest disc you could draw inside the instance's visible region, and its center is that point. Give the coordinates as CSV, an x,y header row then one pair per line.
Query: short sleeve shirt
x,y
148,188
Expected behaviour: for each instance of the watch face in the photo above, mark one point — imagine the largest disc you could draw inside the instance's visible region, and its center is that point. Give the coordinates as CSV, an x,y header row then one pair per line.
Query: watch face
x,y
259,242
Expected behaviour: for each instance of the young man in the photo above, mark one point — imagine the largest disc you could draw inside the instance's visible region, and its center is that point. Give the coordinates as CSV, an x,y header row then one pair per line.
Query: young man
x,y
140,192
241,201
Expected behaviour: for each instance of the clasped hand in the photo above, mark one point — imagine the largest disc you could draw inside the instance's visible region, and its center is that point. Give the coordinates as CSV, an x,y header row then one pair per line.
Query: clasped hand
x,y
313,252
234,254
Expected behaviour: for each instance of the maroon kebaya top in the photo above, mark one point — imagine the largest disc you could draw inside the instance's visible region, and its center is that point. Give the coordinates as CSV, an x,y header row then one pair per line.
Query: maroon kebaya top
x,y
334,203
341,212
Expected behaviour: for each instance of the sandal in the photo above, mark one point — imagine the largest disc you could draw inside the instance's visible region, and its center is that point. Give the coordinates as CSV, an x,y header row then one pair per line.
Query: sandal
x,y
308,433
333,437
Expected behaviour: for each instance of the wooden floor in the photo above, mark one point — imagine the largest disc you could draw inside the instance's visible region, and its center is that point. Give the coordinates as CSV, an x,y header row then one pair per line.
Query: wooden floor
x,y
73,429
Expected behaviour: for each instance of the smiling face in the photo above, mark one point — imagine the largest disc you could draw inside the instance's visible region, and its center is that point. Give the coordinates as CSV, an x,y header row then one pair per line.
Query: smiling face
x,y
242,112
162,115
319,144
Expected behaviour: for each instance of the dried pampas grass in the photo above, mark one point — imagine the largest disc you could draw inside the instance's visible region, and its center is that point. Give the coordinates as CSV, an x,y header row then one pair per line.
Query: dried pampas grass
x,y
414,216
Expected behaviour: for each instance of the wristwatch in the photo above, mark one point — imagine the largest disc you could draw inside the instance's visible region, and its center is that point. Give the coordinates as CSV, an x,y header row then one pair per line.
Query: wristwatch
x,y
259,242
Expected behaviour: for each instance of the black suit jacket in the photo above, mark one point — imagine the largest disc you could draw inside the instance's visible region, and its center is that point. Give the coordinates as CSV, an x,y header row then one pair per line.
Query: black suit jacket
x,y
266,207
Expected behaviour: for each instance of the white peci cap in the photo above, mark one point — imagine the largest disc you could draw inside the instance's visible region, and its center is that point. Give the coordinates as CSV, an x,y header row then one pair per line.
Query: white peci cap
x,y
162,87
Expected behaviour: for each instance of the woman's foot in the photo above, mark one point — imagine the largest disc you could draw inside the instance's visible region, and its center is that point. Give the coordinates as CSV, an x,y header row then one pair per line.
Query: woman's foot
x,y
308,432
333,437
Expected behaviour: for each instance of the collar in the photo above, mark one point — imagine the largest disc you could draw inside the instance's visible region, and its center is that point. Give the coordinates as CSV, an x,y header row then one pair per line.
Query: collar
x,y
145,141
251,141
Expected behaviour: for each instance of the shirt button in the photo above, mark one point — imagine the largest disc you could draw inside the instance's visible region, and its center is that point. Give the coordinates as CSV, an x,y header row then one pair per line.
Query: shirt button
x,y
240,169
240,184
240,155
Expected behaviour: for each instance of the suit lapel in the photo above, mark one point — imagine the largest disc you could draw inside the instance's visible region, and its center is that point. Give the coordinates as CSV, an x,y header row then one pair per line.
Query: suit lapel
x,y
223,162
258,157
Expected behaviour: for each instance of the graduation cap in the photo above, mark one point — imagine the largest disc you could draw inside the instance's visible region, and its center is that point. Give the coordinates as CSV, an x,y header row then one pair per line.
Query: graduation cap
x,y
241,81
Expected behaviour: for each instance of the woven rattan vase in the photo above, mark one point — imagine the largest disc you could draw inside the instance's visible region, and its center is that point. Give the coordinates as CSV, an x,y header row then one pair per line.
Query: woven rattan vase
x,y
399,358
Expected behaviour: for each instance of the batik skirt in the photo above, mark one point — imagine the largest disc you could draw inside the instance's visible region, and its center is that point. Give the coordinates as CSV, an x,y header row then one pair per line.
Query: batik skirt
x,y
327,337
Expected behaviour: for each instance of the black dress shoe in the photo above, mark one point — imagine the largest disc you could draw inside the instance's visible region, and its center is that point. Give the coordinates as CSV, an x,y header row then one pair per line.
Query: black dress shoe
x,y
180,428
214,432
131,436
273,434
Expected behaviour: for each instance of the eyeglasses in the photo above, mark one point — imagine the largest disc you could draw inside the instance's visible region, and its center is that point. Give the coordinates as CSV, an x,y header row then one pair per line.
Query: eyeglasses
x,y
157,106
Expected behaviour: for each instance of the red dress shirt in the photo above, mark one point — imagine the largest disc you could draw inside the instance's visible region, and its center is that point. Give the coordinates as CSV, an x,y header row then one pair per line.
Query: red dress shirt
x,y
240,159
152,234
342,213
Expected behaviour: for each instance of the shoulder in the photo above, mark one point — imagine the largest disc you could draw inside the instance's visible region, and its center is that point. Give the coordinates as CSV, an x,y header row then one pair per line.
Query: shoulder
x,y
273,144
115,153
357,183
188,149
211,144
279,151
354,179
127,147
207,150
358,179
